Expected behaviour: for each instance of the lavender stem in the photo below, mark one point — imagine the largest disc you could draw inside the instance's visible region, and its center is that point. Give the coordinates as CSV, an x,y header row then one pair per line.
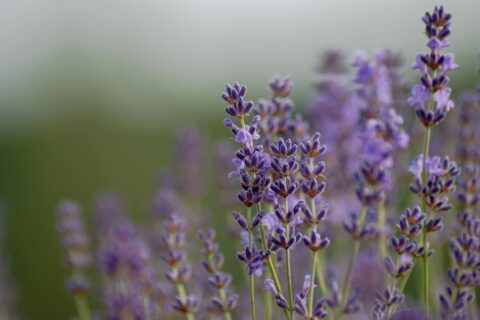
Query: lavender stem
x,y
183,297
356,249
314,256
381,218
426,147
287,262
250,244
321,278
82,307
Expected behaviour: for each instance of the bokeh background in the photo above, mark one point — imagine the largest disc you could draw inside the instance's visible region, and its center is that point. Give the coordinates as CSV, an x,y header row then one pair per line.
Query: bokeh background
x,y
91,93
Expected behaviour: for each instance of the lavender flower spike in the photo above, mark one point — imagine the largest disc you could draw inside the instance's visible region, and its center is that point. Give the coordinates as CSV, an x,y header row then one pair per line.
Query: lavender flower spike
x,y
224,302
431,97
77,258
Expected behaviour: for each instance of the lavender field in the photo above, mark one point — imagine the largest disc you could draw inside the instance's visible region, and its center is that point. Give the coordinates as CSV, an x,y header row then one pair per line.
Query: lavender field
x,y
202,179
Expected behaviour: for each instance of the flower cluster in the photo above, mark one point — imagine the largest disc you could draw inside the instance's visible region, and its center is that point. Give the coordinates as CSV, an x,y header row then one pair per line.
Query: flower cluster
x,y
125,259
286,166
437,183
407,249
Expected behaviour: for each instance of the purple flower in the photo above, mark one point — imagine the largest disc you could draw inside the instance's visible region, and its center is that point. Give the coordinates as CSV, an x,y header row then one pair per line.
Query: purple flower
x,y
243,137
420,96
442,98
433,165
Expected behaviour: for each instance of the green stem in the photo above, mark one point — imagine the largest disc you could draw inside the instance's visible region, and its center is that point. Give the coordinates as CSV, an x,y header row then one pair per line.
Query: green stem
x,y
289,275
146,306
426,147
182,293
348,280
312,283
287,264
268,304
320,276
381,219
314,257
223,296
271,265
252,280
356,249
82,307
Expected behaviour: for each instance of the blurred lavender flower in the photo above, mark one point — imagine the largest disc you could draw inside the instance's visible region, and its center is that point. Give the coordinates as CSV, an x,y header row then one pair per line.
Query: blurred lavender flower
x,y
223,302
178,271
468,131
375,86
333,106
187,162
77,257
126,262
464,273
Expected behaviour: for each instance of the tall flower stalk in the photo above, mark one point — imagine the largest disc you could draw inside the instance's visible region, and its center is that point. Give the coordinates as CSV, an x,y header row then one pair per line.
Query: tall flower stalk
x,y
431,100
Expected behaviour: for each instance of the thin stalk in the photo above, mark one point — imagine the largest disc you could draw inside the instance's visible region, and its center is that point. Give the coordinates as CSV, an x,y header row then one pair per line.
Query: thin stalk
x,y
289,278
252,280
320,276
223,296
271,267
82,307
183,296
356,249
312,283
426,147
288,265
348,280
314,259
270,264
381,219
268,304
146,306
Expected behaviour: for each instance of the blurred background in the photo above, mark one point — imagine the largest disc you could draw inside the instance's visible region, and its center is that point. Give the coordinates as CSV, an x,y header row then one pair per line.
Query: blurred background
x,y
91,93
